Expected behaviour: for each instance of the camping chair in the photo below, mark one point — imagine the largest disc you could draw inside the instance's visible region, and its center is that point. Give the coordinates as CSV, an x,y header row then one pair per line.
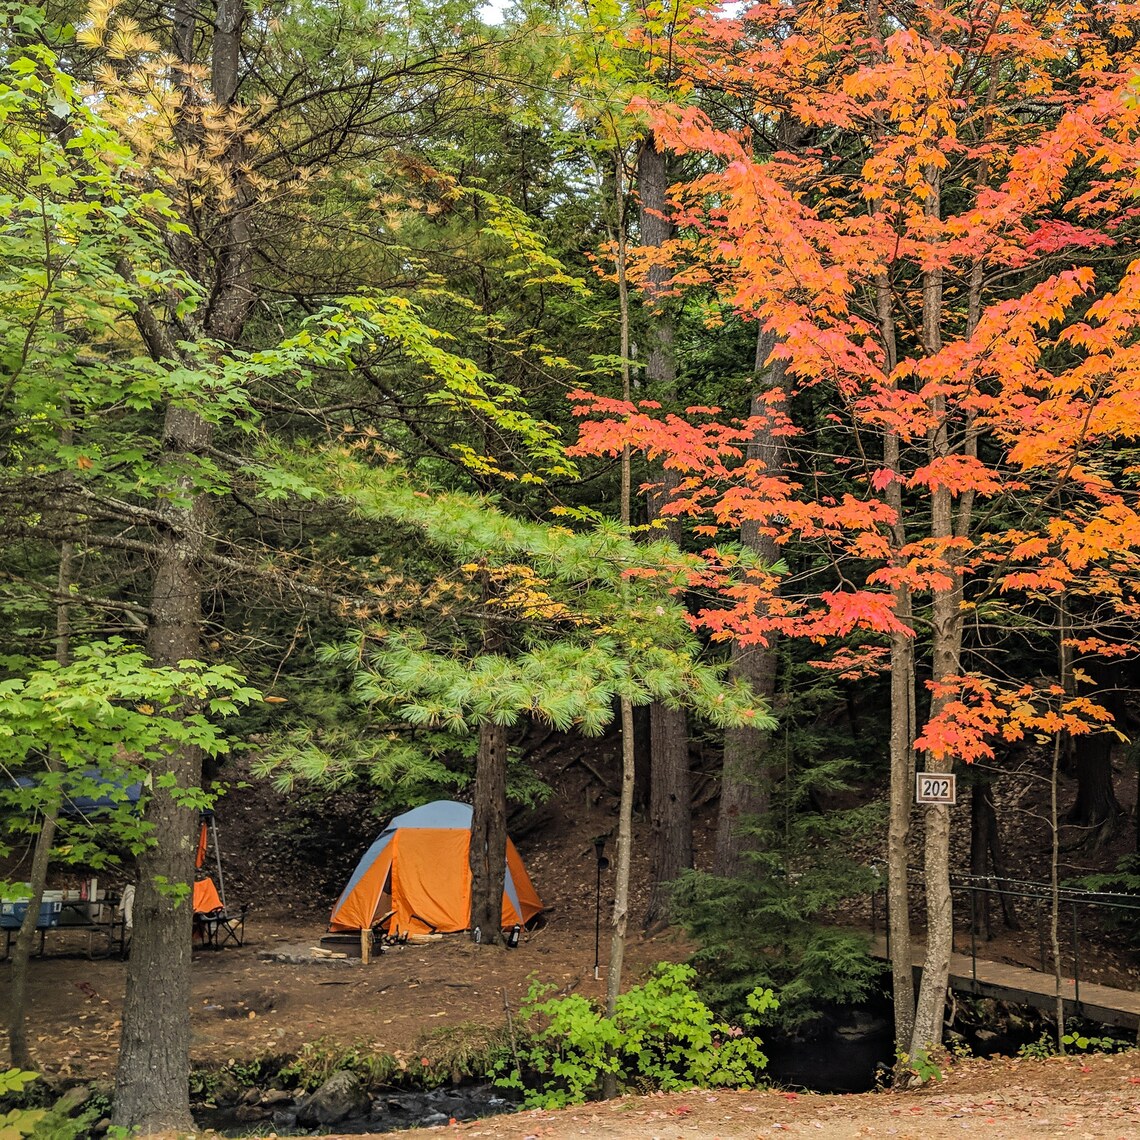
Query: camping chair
x,y
214,925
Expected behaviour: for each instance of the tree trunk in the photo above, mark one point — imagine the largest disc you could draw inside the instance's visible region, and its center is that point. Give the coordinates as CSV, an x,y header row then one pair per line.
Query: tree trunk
x,y
621,880
670,796
628,765
931,1004
946,651
152,1078
1055,896
898,830
151,1082
1096,812
642,777
902,719
987,858
488,855
983,822
982,819
670,807
1096,809
670,792
744,790
946,628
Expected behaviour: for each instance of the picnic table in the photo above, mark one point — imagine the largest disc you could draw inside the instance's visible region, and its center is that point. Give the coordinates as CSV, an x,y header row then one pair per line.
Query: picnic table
x,y
103,924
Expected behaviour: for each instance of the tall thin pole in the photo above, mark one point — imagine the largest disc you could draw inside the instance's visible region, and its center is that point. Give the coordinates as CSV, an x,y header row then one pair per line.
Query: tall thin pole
x,y
625,808
218,858
598,925
603,863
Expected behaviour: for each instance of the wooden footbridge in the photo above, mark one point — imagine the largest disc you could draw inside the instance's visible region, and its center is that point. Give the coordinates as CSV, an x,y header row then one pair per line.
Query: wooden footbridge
x,y
1024,986
971,973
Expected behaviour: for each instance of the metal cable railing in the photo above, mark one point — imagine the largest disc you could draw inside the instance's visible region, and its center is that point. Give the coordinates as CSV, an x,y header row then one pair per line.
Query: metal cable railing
x,y
983,889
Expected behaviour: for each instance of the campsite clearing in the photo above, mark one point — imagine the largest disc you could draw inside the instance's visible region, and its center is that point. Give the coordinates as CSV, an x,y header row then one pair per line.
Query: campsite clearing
x,y
245,1006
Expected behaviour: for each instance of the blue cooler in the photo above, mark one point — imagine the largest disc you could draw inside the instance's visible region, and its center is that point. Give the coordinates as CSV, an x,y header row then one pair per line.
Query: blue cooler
x,y
12,913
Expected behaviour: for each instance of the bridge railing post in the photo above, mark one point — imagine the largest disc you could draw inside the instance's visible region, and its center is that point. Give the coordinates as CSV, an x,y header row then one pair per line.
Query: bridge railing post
x,y
887,919
1076,960
974,933
1041,895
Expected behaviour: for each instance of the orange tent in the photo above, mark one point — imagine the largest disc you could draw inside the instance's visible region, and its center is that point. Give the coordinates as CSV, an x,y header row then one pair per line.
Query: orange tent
x,y
416,875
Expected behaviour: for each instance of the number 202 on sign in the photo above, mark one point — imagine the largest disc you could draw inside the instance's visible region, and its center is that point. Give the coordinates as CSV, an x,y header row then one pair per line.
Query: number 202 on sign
x,y
935,788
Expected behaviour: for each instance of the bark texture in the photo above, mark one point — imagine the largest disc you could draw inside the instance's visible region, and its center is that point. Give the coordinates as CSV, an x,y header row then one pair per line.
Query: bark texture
x,y
488,854
151,1081
902,723
946,652
670,807
987,859
946,641
1096,810
670,790
744,788
898,833
621,871
628,765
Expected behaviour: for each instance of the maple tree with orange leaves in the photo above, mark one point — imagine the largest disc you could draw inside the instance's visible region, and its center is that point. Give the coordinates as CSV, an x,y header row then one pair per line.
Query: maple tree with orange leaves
x,y
916,212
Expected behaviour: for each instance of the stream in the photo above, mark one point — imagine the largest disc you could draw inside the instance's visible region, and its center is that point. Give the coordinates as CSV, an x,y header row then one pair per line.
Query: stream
x,y
846,1050
391,1110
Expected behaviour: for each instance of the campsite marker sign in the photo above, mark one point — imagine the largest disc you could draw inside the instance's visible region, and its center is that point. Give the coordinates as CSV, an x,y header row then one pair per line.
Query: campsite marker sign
x,y
935,788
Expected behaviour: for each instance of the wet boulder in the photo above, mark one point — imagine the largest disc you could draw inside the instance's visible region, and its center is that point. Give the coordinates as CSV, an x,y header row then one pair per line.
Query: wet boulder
x,y
340,1097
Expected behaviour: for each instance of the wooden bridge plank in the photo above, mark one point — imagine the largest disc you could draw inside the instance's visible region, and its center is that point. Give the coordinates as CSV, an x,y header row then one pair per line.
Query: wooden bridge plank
x,y
1003,982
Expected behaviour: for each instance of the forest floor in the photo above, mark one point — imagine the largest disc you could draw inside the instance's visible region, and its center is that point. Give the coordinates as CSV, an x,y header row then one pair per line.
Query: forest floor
x,y
288,861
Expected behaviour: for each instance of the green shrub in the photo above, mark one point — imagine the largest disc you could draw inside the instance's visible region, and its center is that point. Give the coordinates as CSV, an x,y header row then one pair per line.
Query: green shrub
x,y
1121,887
1081,1043
763,930
1044,1047
774,924
42,1123
923,1066
17,1122
661,1036
1075,1042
